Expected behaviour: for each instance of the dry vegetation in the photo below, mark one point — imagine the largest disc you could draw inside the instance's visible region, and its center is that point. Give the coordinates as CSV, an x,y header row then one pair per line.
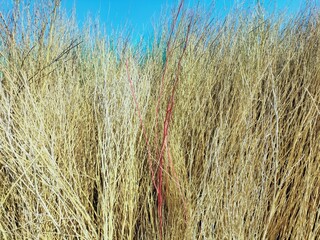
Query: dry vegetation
x,y
213,132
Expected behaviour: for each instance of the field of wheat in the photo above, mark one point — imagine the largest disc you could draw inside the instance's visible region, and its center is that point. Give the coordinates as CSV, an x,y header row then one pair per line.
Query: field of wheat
x,y
211,130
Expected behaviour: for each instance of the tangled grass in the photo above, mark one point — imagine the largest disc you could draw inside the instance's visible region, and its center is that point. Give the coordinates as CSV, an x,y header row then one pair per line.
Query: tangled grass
x,y
213,132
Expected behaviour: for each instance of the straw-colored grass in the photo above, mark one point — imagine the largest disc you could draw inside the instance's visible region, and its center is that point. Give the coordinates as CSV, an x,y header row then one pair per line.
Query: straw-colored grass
x,y
210,132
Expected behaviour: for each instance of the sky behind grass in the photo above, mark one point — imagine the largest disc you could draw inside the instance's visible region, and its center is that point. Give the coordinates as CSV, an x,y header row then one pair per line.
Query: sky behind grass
x,y
139,14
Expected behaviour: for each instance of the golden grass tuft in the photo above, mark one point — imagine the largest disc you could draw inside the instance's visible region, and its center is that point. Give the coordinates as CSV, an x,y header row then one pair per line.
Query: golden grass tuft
x,y
85,152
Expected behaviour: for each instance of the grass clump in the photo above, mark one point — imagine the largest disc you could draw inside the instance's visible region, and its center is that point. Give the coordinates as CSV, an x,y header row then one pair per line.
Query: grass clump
x,y
210,133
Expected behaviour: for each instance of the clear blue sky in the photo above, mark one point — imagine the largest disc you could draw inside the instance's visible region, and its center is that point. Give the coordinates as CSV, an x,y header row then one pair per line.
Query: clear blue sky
x,y
139,14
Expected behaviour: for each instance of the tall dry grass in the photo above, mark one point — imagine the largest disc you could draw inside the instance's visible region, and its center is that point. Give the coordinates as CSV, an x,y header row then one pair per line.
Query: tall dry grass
x,y
213,132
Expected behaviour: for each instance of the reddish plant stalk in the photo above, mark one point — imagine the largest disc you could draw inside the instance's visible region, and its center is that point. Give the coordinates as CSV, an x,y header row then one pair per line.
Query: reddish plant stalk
x,y
164,137
164,145
158,185
168,52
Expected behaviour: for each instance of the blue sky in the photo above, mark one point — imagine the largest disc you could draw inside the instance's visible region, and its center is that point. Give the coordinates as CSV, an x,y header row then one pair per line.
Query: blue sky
x,y
139,14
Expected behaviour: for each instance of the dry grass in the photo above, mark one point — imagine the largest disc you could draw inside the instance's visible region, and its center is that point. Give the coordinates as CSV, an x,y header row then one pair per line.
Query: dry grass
x,y
212,133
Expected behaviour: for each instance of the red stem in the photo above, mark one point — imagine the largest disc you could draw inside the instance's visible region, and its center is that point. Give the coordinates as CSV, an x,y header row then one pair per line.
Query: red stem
x,y
164,145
